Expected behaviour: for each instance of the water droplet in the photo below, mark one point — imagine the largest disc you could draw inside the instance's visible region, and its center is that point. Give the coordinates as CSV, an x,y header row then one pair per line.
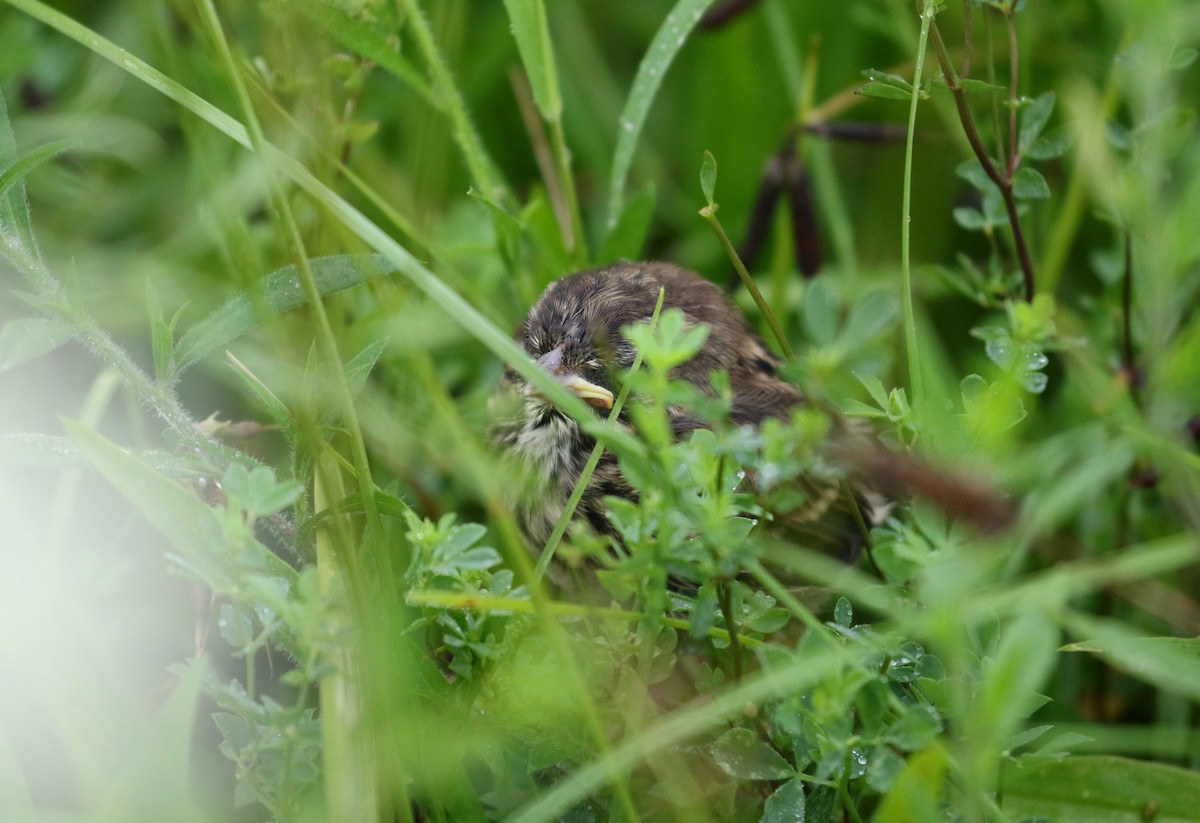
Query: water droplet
x,y
1000,351
1032,360
858,763
1034,382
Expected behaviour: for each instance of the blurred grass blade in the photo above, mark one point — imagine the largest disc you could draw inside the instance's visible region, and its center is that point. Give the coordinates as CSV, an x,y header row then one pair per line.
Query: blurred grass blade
x,y
278,292
17,170
447,98
667,42
157,781
1102,790
360,38
182,517
434,288
627,239
532,32
14,205
28,338
1170,663
135,66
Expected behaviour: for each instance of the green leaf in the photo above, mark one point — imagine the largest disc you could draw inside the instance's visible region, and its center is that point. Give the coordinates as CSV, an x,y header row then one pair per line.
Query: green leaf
x,y
973,86
1033,120
821,313
1011,679
885,91
365,41
508,228
19,169
786,804
1102,789
276,409
970,219
874,388
156,780
532,33
28,338
628,237
1183,58
843,613
972,171
1028,184
883,78
708,176
235,627
14,207
667,42
869,315
182,517
917,791
276,293
256,491
704,610
743,754
1050,146
915,728
1171,663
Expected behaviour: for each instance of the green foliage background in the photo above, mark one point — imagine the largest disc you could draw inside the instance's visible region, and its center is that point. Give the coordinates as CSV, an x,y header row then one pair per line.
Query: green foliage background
x,y
321,221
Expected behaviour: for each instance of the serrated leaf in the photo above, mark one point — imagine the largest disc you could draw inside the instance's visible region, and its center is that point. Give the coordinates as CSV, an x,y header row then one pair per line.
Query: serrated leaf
x,y
742,754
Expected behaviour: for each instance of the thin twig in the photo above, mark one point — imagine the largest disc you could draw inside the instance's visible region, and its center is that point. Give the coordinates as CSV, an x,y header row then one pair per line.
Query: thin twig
x,y
1014,63
1003,182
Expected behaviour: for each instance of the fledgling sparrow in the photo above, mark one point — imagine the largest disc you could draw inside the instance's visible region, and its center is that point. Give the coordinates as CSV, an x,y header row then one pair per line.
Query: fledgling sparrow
x,y
574,332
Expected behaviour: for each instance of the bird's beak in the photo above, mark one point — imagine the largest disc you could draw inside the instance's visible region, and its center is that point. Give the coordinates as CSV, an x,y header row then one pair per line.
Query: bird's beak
x,y
588,392
585,390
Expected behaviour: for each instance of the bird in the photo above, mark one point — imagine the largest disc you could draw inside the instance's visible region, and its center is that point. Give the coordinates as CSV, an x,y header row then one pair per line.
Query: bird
x,y
574,332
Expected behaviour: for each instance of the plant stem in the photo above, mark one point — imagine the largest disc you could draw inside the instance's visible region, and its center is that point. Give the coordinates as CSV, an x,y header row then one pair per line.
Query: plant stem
x,y
709,213
910,323
1004,182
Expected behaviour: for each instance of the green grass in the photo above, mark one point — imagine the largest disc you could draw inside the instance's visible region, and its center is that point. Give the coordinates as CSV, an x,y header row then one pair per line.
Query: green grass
x,y
261,264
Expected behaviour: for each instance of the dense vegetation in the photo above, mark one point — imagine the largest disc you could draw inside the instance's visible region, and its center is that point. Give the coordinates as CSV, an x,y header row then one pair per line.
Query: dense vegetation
x,y
262,263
